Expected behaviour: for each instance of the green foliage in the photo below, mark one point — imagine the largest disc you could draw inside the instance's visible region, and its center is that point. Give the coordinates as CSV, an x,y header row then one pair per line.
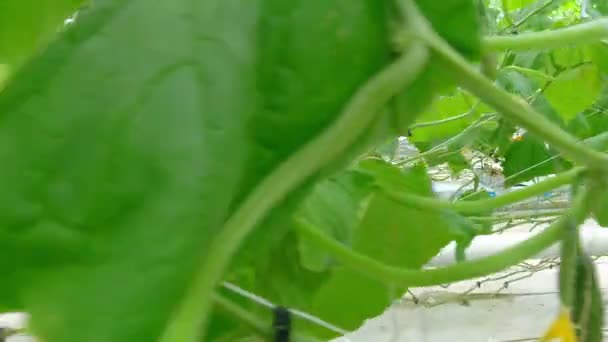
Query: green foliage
x,y
574,90
462,31
527,159
446,107
135,165
336,206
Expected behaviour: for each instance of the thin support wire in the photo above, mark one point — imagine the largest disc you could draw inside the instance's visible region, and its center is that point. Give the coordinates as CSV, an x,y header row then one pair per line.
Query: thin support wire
x,y
268,304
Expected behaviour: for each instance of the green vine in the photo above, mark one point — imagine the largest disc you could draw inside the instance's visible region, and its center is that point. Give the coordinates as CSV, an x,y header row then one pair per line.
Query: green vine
x,y
589,32
460,271
487,204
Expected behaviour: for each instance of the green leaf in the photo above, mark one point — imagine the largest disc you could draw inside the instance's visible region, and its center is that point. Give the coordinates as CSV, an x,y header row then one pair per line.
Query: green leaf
x,y
515,82
574,90
387,150
457,163
335,206
462,31
133,151
28,25
599,55
528,59
445,107
497,139
391,233
465,229
527,159
567,57
513,5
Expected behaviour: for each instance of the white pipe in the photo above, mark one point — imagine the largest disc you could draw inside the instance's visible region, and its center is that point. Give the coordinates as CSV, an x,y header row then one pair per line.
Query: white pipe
x,y
593,238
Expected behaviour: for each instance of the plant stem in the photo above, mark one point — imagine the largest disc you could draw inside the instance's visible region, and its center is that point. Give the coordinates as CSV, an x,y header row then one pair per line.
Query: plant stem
x,y
444,146
457,272
188,324
567,268
518,216
515,109
487,204
442,121
584,33
531,72
468,113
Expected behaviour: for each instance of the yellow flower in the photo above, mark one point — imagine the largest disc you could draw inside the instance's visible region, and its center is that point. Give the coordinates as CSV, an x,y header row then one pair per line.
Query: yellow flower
x,y
561,330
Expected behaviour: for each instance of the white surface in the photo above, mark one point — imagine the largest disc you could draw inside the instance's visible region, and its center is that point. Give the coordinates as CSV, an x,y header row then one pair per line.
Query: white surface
x,y
15,320
523,314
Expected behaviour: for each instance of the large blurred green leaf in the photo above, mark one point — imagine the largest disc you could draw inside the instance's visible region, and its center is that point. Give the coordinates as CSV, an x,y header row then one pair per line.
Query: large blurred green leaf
x,y
28,25
574,90
130,141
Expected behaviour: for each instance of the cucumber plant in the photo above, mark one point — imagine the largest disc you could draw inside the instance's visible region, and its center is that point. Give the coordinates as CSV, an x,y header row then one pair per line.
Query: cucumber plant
x,y
152,150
